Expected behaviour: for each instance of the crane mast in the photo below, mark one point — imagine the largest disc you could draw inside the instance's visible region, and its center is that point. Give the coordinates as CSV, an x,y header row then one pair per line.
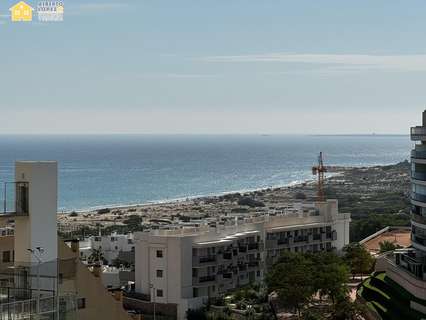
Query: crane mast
x,y
320,170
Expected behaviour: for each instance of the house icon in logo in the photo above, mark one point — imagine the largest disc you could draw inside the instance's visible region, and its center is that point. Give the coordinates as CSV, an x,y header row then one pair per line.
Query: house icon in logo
x,y
21,12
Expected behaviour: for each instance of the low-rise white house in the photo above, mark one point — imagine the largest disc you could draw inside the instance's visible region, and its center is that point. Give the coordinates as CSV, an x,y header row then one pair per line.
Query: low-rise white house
x,y
185,265
112,246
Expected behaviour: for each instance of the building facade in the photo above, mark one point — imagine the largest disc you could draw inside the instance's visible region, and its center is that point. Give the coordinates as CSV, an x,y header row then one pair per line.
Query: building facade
x,y
40,276
418,197
407,267
186,265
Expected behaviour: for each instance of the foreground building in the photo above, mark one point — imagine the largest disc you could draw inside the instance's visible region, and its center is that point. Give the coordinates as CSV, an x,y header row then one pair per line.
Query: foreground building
x,y
40,276
398,288
181,267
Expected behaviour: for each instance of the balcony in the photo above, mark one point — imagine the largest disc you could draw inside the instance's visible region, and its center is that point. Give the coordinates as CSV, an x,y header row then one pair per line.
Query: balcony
x,y
418,175
271,243
418,133
242,267
407,260
209,278
300,239
242,249
253,246
254,264
418,197
418,154
227,255
283,241
418,218
206,259
15,197
418,239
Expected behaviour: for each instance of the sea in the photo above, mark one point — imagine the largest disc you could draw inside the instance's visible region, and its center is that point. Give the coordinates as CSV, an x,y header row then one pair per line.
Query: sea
x,y
97,171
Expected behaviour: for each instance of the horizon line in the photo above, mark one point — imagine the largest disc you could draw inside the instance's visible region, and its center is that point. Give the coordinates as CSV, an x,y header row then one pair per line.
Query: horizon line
x,y
198,134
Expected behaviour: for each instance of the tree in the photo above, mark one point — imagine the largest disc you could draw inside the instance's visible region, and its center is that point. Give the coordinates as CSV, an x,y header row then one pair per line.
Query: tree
x,y
358,258
345,309
291,278
330,275
386,246
362,227
96,257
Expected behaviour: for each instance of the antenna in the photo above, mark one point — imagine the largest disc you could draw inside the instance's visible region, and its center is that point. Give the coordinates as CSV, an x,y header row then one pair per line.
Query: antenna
x,y
320,171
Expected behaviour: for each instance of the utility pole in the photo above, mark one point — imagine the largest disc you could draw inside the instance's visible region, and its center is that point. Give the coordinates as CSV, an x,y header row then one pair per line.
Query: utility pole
x,y
153,296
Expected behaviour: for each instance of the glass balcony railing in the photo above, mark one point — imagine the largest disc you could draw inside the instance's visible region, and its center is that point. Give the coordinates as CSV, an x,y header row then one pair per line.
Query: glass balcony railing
x,y
15,198
418,154
418,218
418,197
418,175
418,133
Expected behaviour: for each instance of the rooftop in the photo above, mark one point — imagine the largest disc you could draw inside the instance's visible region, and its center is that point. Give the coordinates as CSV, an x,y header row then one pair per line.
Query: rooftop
x,y
400,236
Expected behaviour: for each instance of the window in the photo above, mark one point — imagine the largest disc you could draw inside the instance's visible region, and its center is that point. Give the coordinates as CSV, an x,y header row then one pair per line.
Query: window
x,y
159,292
81,303
159,273
159,253
6,256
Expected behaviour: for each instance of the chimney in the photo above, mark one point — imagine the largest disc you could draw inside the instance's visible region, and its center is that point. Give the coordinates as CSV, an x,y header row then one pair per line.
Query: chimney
x,y
97,270
424,119
75,246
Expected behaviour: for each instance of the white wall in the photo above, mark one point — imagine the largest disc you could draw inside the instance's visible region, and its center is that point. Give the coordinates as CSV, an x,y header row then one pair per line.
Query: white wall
x,y
39,229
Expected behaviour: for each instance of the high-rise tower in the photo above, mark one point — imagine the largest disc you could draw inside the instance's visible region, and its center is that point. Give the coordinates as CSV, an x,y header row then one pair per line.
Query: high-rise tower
x,y
418,194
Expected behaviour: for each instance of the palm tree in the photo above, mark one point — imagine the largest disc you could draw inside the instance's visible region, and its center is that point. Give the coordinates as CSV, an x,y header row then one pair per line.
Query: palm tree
x,y
96,257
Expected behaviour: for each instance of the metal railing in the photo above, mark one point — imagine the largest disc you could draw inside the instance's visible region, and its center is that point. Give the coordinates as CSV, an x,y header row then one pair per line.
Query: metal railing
x,y
15,198
27,309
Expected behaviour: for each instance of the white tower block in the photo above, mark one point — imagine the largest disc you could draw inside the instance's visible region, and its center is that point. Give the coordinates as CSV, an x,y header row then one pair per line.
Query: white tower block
x,y
39,227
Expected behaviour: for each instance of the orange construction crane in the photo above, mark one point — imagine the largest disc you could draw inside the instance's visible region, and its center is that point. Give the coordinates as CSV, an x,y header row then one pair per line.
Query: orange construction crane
x,y
320,171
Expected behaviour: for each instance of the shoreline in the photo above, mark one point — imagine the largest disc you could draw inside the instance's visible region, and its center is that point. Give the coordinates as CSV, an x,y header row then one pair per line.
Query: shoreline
x,y
359,190
296,183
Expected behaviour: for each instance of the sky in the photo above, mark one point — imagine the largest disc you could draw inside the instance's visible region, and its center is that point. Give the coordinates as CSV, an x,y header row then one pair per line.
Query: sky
x,y
215,67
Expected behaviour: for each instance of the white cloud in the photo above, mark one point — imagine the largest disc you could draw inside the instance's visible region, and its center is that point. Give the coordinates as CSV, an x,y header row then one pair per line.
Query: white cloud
x,y
102,6
92,7
334,62
178,75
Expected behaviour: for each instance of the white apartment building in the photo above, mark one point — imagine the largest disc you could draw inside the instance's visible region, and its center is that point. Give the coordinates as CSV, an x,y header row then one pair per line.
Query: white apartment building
x,y
185,265
112,246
